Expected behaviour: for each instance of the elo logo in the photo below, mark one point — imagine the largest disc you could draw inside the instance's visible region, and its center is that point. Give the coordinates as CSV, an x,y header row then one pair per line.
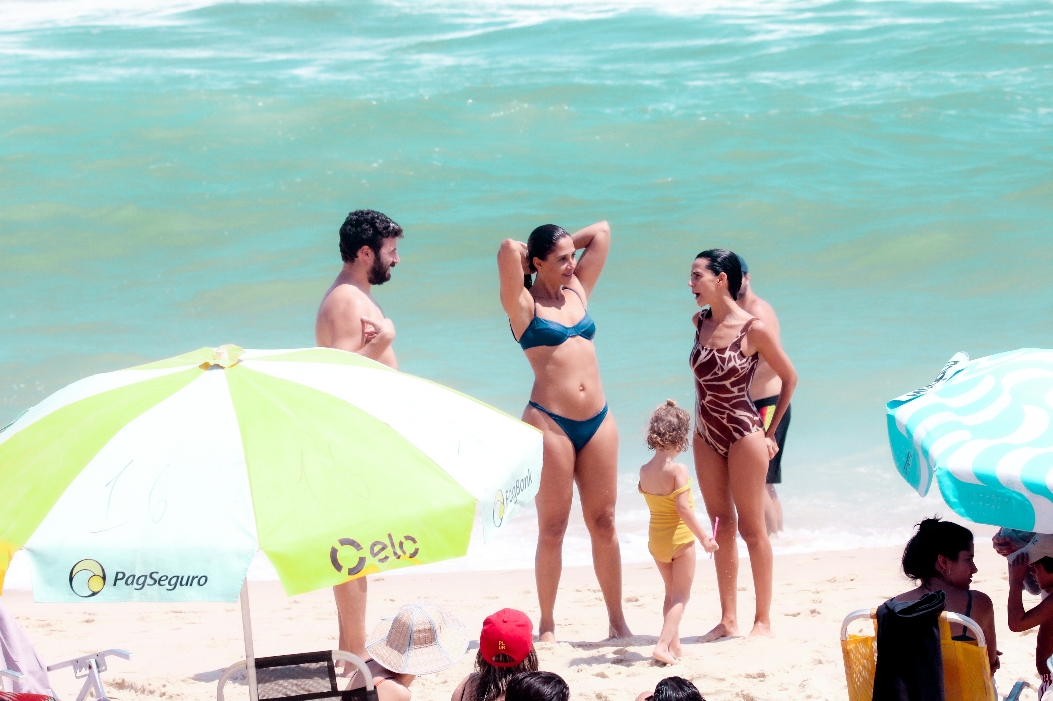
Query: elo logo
x,y
377,551
87,578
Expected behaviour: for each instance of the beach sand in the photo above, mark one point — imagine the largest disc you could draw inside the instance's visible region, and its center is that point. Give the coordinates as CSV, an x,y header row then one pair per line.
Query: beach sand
x,y
181,650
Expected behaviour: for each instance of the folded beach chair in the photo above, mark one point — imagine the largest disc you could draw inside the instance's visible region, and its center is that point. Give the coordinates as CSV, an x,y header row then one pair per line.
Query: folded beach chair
x,y
301,677
966,669
29,676
88,668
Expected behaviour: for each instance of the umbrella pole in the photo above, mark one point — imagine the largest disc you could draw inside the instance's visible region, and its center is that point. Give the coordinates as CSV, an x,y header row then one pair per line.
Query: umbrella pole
x,y
246,624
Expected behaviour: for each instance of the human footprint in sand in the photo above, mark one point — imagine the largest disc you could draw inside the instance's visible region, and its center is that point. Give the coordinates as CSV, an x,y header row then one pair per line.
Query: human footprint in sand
x,y
666,488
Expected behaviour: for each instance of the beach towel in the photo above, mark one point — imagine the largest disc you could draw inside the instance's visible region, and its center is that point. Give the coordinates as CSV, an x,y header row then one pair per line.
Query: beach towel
x,y
18,655
909,656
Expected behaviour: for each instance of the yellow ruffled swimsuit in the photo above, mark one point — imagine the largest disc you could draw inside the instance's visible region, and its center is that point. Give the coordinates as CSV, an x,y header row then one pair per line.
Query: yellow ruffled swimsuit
x,y
667,532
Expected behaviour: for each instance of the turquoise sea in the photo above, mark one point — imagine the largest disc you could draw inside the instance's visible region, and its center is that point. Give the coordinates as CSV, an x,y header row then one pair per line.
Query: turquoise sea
x,y
174,177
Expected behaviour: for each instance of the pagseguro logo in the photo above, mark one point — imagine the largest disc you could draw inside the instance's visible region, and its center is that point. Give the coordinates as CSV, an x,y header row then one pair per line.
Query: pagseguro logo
x,y
378,551
88,578
504,500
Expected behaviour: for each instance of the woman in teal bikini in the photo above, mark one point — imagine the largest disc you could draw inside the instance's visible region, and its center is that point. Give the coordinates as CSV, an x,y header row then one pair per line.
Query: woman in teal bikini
x,y
550,321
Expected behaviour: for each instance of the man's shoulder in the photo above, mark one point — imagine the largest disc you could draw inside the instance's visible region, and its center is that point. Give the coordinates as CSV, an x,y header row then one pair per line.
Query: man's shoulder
x,y
760,308
343,298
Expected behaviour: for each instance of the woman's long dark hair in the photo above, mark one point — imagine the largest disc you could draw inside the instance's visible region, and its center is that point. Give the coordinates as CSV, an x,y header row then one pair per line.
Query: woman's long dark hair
x,y
676,689
934,538
490,681
541,242
537,686
721,260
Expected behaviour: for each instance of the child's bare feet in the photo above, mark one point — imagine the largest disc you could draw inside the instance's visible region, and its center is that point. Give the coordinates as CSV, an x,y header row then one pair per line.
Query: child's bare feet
x,y
761,630
663,656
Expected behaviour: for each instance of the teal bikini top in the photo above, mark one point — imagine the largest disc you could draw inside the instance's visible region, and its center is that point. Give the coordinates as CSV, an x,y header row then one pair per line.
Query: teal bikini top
x,y
545,332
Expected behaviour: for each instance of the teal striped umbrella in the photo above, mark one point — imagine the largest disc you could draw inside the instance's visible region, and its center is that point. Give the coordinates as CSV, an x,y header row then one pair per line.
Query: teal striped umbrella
x,y
982,431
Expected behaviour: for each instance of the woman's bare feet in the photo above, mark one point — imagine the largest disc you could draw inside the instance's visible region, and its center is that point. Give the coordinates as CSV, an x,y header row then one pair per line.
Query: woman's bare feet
x,y
675,648
720,631
547,636
762,630
663,655
619,631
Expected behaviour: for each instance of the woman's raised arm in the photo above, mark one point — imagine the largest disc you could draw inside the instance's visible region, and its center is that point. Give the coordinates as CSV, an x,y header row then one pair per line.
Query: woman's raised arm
x,y
515,298
596,240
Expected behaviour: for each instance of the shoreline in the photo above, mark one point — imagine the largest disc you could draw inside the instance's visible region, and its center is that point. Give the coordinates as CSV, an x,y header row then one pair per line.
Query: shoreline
x,y
179,650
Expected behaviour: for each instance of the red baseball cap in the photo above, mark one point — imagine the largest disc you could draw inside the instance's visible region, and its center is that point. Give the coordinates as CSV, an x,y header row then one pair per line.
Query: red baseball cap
x,y
507,632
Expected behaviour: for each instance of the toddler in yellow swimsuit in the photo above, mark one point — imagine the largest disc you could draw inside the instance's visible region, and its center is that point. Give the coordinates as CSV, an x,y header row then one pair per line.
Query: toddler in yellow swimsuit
x,y
666,488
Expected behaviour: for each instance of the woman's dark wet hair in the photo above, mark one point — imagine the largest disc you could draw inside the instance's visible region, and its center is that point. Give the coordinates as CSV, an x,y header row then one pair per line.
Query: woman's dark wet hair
x,y
721,260
676,689
491,681
541,242
932,539
537,686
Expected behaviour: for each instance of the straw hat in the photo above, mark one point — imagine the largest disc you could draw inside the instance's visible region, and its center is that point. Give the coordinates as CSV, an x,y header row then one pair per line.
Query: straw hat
x,y
422,638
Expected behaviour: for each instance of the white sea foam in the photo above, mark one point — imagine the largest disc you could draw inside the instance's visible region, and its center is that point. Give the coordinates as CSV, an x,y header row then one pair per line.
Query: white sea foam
x,y
22,15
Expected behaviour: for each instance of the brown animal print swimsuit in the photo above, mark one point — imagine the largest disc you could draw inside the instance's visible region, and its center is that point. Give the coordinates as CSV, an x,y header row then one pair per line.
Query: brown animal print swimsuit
x,y
723,410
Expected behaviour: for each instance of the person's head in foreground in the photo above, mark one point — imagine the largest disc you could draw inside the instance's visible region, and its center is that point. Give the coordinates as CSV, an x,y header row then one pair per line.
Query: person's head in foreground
x,y
370,239
550,254
716,277
940,550
506,648
422,638
537,686
673,689
669,428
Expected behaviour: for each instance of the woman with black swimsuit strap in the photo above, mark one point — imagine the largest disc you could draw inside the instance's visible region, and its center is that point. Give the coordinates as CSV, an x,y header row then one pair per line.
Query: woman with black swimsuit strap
x,y
731,448
549,318
940,557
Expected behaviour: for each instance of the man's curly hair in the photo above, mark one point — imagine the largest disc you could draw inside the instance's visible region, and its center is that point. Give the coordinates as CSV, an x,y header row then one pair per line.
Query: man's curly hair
x,y
669,428
365,227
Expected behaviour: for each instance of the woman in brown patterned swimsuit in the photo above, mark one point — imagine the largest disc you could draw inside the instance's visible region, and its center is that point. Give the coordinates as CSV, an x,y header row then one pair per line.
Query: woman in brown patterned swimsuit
x,y
731,449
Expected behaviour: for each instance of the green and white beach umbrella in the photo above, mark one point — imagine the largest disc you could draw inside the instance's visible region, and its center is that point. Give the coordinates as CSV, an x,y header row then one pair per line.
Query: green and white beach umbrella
x,y
160,482
982,431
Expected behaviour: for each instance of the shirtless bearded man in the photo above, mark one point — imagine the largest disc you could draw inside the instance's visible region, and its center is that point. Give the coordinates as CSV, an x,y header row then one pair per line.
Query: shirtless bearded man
x,y
764,393
351,320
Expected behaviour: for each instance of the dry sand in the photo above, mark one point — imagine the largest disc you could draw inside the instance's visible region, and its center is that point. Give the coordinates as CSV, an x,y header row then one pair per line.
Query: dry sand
x,y
180,650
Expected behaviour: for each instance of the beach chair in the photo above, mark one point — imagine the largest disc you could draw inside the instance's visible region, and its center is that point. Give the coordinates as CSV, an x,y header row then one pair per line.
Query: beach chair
x,y
966,669
87,667
301,677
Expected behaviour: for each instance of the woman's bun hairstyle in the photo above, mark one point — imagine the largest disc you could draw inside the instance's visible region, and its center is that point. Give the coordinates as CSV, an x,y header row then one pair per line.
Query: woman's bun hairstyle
x,y
669,427
933,538
541,242
721,260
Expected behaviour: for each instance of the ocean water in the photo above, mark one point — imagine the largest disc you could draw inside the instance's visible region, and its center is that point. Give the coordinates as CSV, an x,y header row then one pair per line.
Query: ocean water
x,y
174,177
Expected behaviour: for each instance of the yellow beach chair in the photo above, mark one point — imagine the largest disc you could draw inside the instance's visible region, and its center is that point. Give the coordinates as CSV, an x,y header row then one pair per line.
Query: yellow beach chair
x,y
966,670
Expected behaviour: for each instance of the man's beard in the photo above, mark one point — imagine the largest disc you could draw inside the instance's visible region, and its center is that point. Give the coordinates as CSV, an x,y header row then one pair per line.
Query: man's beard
x,y
378,272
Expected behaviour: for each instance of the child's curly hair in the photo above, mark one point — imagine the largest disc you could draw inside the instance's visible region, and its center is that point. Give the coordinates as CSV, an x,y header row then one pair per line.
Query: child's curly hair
x,y
669,427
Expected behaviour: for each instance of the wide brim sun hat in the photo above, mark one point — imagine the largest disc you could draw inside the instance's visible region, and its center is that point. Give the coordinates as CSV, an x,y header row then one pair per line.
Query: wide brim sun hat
x,y
421,638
